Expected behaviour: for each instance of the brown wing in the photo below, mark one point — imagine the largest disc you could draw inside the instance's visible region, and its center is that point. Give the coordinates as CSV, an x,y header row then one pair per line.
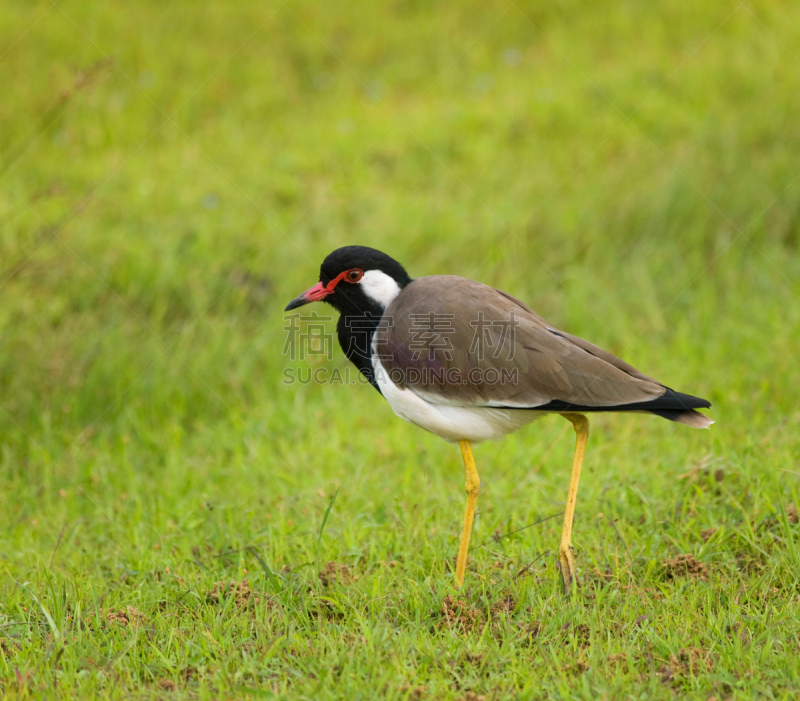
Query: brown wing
x,y
456,341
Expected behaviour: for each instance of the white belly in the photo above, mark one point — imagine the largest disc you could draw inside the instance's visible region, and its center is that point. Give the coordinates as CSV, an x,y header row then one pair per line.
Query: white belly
x,y
453,423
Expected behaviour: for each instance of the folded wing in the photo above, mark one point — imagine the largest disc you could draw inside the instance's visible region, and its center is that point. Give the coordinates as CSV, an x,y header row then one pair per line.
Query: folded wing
x,y
458,342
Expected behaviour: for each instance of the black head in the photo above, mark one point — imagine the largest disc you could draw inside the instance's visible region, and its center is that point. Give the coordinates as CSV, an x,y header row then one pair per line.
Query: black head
x,y
356,280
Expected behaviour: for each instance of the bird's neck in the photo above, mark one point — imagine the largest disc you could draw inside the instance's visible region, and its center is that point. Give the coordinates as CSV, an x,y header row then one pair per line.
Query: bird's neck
x,y
355,331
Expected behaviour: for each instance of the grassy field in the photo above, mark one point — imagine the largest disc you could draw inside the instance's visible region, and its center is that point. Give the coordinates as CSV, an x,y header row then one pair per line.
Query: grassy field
x,y
179,523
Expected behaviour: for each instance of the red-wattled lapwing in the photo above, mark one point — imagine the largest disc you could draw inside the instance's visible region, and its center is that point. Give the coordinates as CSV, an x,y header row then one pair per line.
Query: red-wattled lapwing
x,y
469,363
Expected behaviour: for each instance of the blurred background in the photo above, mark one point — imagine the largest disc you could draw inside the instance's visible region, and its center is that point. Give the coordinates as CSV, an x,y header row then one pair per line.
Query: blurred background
x,y
172,174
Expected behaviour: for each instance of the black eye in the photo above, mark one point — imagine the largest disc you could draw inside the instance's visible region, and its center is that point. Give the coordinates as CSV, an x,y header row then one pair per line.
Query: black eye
x,y
354,275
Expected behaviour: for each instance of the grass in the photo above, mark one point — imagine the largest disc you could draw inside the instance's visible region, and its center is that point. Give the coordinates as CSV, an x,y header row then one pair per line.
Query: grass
x,y
172,175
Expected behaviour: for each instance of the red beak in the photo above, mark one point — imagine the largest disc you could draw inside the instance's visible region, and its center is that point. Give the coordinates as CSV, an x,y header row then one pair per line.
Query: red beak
x,y
316,293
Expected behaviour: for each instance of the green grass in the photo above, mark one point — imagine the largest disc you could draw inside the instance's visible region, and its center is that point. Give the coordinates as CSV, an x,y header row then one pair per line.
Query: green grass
x,y
173,174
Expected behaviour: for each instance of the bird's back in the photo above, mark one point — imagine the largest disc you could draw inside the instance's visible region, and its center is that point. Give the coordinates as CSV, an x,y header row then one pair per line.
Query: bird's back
x,y
456,341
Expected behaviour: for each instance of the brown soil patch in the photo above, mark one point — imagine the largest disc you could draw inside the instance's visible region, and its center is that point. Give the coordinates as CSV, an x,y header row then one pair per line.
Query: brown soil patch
x,y
707,534
414,693
582,635
457,613
689,661
241,592
128,616
189,673
472,696
791,514
618,658
577,667
685,565
335,572
167,685
504,605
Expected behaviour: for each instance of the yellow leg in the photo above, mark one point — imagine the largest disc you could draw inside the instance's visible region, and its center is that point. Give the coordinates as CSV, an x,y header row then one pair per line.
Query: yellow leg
x,y
473,486
566,554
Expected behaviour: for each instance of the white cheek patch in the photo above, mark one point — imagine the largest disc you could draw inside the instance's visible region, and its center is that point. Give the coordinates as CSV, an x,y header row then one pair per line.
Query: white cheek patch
x,y
379,287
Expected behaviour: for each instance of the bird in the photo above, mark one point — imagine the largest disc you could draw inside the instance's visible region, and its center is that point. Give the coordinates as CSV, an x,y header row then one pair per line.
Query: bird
x,y
468,362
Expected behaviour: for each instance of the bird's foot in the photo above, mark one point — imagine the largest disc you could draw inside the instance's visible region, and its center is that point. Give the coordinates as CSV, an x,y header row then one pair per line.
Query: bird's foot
x,y
569,570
